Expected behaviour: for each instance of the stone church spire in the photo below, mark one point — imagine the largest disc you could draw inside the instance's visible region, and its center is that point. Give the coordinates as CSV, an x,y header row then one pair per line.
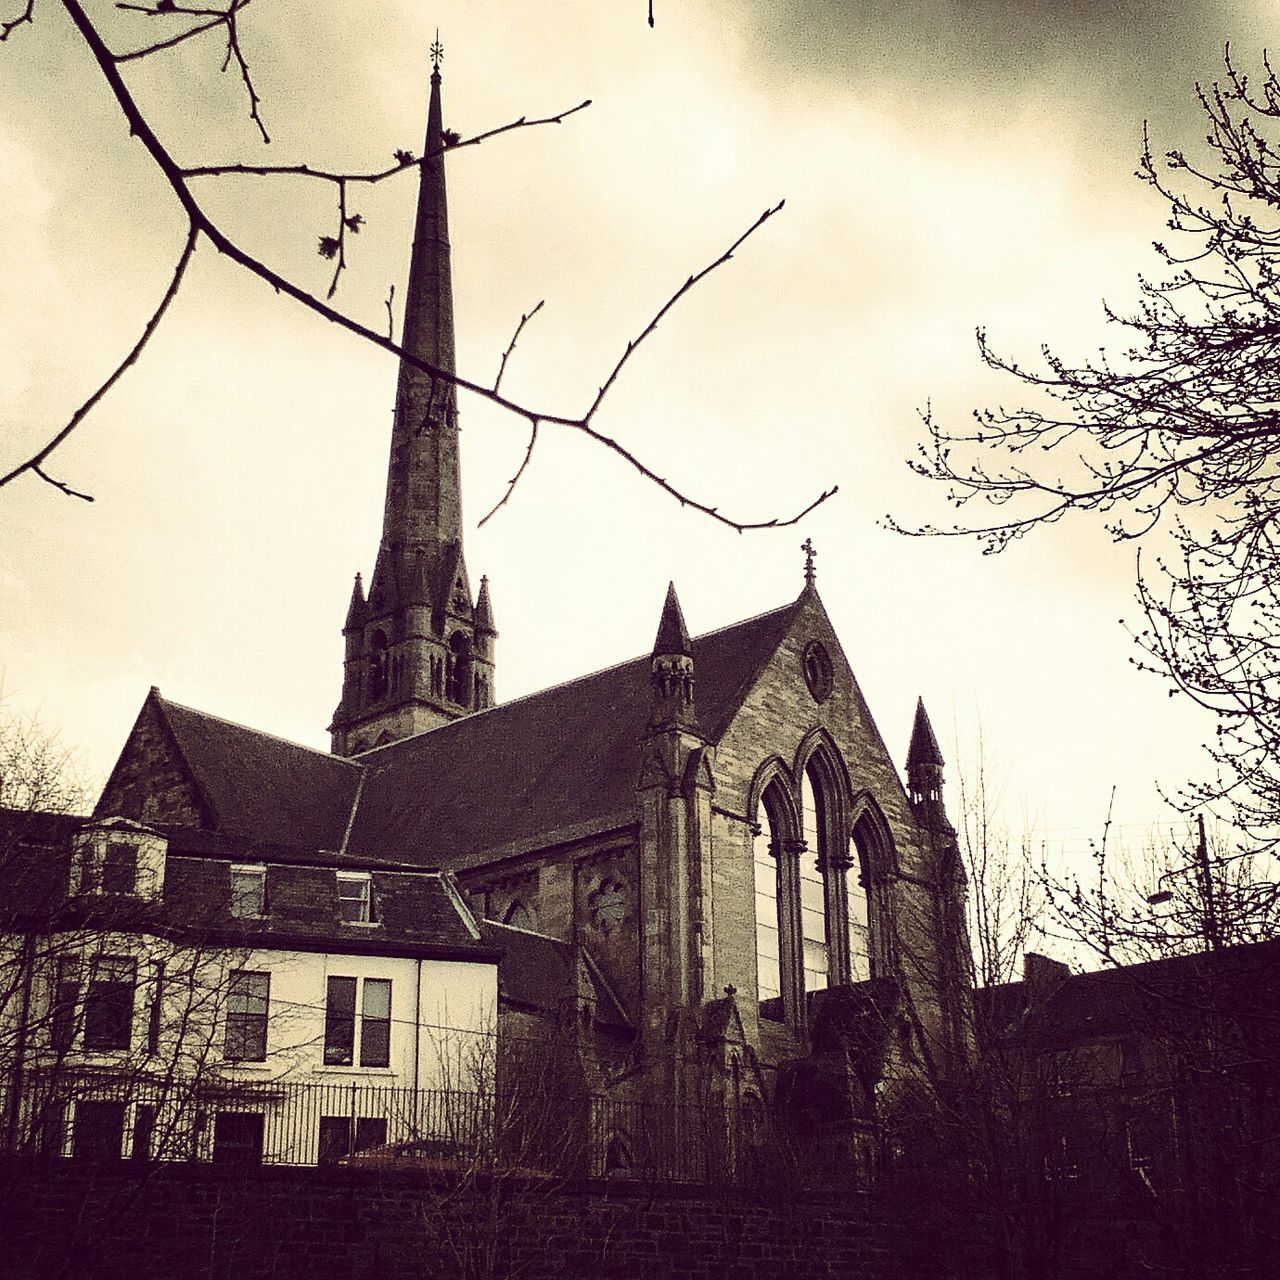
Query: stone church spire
x,y
419,650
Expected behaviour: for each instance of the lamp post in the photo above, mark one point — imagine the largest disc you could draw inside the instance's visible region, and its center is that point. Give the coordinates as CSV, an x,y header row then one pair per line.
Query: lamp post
x,y
1203,869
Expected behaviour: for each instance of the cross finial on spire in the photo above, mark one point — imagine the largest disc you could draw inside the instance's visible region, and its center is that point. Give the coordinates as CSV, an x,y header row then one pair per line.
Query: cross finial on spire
x,y
437,52
809,552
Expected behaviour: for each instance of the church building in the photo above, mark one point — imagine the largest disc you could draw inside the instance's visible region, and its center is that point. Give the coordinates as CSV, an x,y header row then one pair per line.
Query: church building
x,y
701,865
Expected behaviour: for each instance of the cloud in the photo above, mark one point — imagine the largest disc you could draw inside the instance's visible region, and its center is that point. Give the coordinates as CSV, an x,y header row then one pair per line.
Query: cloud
x,y
1093,68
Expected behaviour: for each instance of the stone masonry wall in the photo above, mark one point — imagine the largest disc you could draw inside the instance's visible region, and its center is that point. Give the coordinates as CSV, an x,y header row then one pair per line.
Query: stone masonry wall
x,y
184,1222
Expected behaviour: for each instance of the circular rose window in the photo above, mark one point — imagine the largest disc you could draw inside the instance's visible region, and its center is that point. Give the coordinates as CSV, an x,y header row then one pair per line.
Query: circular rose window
x,y
817,670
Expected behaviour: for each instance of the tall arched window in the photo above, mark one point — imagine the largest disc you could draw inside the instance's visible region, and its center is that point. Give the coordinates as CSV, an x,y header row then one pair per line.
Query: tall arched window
x,y
813,892
458,673
378,659
768,952
867,851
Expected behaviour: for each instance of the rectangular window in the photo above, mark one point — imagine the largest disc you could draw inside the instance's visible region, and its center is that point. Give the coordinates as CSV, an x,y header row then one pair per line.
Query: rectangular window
x,y
340,1023
51,1129
371,1131
248,1000
248,892
155,1014
336,1133
144,1126
87,864
120,868
108,1007
355,904
335,1139
99,1130
375,1023
66,995
237,1137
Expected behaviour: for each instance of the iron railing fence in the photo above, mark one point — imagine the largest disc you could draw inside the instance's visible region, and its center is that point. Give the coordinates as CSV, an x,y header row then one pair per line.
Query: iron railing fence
x,y
459,1132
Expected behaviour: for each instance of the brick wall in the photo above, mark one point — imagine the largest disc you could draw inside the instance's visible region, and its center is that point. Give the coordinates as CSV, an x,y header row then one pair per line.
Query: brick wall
x,y
179,1223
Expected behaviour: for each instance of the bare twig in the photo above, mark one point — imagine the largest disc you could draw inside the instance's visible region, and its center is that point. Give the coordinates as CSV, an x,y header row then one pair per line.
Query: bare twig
x,y
326,175
8,28
511,346
515,479
391,319
218,18
233,49
34,462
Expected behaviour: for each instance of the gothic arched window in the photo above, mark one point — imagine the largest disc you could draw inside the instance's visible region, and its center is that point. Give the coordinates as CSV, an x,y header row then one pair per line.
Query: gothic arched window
x,y
813,887
869,850
768,950
378,666
458,671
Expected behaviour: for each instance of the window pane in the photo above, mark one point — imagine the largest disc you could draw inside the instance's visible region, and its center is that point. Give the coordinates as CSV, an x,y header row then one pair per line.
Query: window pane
x,y
108,1008
813,893
340,1022
120,869
99,1130
375,1023
335,1138
371,1131
248,891
768,966
377,998
248,1003
62,1016
353,899
237,1137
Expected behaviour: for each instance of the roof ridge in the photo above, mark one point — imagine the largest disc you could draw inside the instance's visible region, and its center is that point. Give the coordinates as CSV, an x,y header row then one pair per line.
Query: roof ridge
x,y
565,684
519,928
260,733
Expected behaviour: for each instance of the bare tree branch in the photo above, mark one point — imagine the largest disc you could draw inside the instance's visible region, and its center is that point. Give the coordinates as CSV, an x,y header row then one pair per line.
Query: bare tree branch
x,y
34,462
201,224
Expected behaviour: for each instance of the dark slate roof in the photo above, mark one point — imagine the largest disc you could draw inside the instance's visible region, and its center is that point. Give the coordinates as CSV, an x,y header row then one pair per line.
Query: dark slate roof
x,y
537,972
232,846
542,769
1238,982
414,911
266,787
554,765
34,861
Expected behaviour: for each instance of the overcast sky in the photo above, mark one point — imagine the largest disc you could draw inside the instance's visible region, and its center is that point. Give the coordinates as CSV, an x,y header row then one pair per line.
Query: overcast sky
x,y
945,165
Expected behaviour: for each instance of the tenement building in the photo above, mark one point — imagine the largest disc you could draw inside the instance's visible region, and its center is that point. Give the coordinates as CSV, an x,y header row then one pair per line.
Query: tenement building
x,y
706,876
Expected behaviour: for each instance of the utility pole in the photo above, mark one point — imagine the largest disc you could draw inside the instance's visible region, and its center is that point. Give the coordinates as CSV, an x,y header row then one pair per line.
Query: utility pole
x,y
1204,874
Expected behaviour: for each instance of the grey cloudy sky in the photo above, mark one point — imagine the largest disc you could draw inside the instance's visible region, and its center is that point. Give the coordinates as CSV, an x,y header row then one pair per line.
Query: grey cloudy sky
x,y
944,165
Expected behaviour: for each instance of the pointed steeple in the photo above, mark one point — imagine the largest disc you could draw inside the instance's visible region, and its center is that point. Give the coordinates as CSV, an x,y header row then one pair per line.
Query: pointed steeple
x,y
418,654
673,635
356,609
423,504
924,748
924,773
671,669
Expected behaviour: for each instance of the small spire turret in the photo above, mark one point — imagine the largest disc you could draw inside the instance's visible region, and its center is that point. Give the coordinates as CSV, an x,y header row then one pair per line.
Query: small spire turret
x,y
356,609
671,669
924,772
484,611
